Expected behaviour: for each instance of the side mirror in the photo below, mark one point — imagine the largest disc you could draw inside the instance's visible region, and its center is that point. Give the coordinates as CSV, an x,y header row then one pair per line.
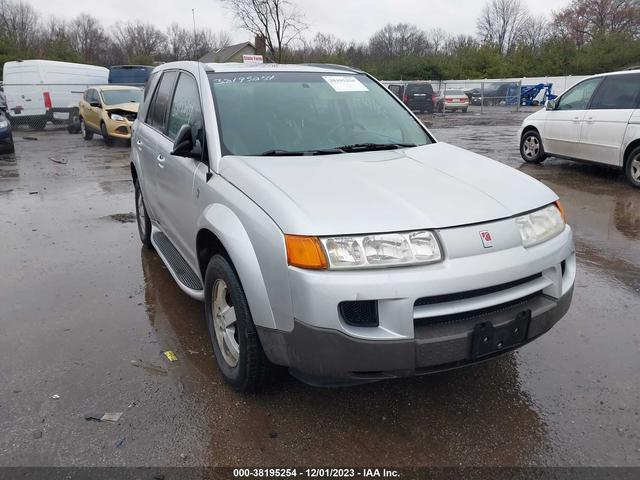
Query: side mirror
x,y
95,104
551,105
184,145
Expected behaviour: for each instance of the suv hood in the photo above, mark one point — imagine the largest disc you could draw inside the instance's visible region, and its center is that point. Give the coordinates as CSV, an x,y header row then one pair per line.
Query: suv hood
x,y
431,186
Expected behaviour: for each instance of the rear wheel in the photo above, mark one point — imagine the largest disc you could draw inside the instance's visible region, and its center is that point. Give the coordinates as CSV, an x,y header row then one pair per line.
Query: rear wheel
x,y
86,134
142,218
531,148
632,167
233,335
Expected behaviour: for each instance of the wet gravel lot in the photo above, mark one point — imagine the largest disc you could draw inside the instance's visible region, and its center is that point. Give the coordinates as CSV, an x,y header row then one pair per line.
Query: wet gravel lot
x,y
85,314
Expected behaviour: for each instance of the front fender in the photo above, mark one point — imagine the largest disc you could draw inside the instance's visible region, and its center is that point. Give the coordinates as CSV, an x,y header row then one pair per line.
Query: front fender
x,y
225,225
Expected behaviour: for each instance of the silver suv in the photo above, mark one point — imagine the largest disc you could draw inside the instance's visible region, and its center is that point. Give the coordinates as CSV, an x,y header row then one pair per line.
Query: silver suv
x,y
328,232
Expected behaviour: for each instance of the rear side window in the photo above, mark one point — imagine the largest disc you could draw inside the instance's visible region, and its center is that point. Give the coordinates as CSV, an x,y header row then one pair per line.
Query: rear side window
x,y
158,108
617,92
185,109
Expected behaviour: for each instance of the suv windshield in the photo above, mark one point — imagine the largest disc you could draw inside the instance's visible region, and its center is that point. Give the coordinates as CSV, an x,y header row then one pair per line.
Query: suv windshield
x,y
271,113
113,97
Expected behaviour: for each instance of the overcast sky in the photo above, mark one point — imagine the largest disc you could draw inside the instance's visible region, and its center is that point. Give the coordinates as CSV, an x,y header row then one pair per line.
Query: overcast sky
x,y
347,19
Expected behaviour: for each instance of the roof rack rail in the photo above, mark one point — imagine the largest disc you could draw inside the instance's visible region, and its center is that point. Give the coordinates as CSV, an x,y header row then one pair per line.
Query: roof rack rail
x,y
333,66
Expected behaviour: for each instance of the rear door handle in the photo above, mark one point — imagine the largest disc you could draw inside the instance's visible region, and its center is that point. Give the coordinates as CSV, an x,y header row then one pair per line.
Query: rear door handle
x,y
160,159
590,120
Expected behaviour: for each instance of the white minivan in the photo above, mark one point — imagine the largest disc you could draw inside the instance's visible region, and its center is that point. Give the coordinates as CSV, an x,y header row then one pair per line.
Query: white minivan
x,y
39,91
596,120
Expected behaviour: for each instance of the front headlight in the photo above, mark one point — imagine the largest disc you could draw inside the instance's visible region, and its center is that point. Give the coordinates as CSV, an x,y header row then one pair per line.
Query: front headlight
x,y
382,250
4,123
541,225
116,117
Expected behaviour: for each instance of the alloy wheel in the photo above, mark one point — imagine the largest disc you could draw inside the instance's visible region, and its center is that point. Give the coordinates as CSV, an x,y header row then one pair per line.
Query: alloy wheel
x,y
225,325
635,169
531,146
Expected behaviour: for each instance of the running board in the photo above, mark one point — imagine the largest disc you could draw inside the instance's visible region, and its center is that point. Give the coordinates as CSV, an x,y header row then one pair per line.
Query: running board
x,y
185,277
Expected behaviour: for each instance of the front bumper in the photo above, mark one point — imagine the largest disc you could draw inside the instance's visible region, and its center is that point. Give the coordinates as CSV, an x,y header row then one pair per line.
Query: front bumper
x,y
326,357
119,128
427,314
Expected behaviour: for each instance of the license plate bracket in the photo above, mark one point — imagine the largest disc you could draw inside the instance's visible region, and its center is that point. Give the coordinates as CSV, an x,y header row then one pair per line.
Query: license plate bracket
x,y
488,339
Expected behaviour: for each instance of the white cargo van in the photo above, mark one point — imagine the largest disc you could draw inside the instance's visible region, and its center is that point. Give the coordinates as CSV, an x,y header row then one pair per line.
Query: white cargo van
x,y
39,91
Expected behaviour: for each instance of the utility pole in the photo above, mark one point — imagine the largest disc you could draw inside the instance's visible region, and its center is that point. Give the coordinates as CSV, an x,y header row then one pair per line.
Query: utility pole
x,y
193,15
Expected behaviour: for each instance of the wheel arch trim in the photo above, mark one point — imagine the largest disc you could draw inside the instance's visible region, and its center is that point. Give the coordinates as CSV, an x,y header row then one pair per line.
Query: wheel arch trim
x,y
225,225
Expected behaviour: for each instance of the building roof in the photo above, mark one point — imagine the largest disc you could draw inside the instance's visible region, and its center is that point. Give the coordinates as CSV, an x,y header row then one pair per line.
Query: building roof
x,y
224,54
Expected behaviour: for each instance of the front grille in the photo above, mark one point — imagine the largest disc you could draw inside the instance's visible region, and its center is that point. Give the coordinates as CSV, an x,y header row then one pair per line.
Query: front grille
x,y
473,314
451,297
360,313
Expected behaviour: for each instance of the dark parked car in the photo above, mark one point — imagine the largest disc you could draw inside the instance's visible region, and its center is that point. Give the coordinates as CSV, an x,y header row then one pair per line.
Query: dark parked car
x,y
494,94
419,96
6,138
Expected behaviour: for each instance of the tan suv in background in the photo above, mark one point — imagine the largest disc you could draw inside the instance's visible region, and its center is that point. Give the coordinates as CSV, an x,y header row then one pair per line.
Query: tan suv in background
x,y
109,111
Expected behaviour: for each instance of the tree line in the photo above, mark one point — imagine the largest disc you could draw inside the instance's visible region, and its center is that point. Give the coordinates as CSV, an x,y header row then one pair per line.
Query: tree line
x,y
585,37
26,34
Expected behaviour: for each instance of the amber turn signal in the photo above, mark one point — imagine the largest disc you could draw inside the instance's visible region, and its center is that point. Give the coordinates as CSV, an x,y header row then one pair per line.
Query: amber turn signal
x,y
305,252
561,208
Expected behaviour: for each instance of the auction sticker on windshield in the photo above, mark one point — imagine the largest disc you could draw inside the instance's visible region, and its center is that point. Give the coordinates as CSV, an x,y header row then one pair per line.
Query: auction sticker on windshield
x,y
345,83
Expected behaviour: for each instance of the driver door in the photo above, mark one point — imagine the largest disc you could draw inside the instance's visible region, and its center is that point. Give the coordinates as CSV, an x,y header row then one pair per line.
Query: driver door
x,y
561,135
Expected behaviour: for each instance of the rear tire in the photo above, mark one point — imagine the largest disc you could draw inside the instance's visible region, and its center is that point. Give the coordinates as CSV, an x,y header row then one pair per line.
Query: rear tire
x,y
142,218
632,167
233,335
531,148
86,134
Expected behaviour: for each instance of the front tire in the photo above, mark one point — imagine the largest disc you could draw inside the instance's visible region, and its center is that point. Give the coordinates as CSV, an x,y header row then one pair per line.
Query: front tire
x,y
142,218
105,136
632,167
86,134
233,335
531,149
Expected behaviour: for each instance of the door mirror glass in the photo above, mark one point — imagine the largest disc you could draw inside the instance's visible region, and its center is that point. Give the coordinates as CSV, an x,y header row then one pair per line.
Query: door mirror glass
x,y
184,145
95,104
551,105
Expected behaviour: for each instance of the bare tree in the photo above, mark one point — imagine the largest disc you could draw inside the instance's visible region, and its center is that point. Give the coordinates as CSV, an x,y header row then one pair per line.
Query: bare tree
x,y
19,23
437,39
501,23
398,40
278,21
583,19
140,42
88,38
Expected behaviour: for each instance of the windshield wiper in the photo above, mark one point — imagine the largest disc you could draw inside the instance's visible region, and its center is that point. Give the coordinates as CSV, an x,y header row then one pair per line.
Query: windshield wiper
x,y
366,147
300,153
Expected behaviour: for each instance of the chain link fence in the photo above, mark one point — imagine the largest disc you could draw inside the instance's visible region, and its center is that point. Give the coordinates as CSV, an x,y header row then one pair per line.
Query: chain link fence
x,y
441,98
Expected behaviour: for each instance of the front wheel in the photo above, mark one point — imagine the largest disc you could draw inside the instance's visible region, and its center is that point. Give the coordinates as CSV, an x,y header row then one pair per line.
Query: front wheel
x,y
86,134
632,167
531,148
233,335
105,136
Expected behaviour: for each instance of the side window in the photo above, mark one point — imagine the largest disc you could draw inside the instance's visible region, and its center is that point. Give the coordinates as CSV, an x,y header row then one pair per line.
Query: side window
x,y
185,108
618,92
577,98
160,101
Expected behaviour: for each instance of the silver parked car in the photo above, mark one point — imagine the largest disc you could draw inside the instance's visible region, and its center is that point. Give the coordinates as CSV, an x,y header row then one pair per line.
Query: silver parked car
x,y
327,231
